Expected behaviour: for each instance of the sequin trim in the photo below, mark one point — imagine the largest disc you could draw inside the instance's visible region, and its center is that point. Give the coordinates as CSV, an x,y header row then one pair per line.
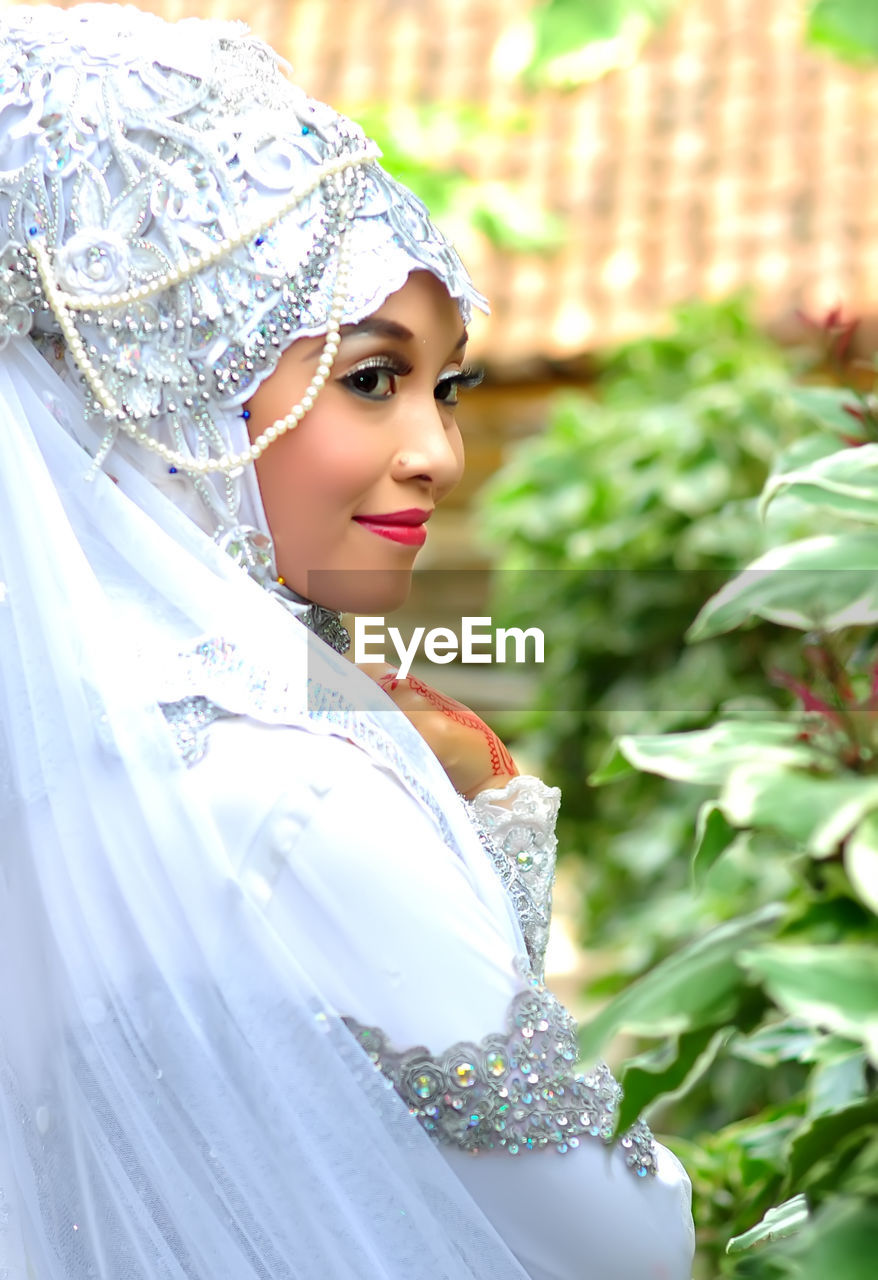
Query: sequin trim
x,y
515,1090
189,720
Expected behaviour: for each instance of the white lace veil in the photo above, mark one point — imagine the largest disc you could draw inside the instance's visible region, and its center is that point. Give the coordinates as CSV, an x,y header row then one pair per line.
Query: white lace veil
x,y
176,1098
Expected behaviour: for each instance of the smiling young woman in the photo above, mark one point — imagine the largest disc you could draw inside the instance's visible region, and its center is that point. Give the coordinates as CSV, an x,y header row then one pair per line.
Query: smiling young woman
x,y
277,929
347,494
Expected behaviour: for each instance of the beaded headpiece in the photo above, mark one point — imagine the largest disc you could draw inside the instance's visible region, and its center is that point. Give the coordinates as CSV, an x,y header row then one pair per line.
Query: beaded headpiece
x,y
174,212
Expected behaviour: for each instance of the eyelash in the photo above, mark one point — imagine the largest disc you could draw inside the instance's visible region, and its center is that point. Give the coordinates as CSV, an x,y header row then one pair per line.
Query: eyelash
x,y
375,364
462,380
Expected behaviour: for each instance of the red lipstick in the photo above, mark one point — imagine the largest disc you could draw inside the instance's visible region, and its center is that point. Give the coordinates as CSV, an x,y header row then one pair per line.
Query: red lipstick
x,y
406,527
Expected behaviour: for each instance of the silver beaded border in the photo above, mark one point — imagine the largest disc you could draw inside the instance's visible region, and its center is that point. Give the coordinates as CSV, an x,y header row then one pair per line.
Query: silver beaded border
x,y
64,306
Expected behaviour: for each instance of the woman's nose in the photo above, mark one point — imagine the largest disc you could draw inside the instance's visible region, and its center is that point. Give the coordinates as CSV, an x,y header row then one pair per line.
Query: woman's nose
x,y
430,449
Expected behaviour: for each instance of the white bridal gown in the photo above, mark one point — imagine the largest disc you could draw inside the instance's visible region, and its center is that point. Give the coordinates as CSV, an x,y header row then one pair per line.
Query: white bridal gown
x,y
183,898
417,946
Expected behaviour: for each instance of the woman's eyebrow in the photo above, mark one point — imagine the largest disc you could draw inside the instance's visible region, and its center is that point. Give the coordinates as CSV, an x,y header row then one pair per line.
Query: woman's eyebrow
x,y
374,326
378,327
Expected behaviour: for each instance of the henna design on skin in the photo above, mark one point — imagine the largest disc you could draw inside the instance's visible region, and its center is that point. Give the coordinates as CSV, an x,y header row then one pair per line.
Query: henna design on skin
x,y
501,761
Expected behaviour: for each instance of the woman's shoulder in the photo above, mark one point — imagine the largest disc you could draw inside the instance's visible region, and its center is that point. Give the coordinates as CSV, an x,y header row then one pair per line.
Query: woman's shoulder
x,y
253,778
257,762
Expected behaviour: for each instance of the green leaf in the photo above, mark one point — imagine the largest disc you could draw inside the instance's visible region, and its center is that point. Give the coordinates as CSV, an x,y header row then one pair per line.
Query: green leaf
x,y
780,1221
805,450
861,861
837,1083
428,148
838,1243
818,584
564,25
845,483
707,756
789,1041
614,766
827,986
697,987
848,28
510,221
848,1167
713,835
668,1071
860,1177
816,813
823,1134
826,405
575,42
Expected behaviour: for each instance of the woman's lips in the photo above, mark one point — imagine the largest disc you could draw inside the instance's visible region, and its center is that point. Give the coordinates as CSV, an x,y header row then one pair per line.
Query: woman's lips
x,y
406,527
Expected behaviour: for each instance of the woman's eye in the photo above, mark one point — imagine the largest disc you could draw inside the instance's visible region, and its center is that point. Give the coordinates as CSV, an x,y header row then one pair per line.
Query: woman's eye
x,y
448,389
447,392
374,383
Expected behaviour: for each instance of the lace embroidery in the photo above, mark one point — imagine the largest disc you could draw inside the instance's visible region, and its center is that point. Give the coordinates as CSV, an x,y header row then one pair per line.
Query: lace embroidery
x,y
515,1091
516,826
189,720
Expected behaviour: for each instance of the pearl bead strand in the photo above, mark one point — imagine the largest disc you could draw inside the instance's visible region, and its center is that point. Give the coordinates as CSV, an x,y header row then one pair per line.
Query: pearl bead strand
x,y
321,374
228,463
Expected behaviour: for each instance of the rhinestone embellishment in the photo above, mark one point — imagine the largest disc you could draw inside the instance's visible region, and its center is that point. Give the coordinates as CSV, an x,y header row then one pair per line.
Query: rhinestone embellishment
x,y
189,720
515,1090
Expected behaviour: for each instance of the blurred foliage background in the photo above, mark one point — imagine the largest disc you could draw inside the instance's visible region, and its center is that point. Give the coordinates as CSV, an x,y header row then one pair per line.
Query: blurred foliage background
x,y
710,709
574,41
730,929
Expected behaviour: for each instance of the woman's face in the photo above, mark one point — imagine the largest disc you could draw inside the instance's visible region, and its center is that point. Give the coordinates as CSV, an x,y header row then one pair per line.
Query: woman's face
x,y
348,491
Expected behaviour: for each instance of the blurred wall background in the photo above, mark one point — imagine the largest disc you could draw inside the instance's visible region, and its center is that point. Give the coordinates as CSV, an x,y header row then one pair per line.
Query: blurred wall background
x,y
726,155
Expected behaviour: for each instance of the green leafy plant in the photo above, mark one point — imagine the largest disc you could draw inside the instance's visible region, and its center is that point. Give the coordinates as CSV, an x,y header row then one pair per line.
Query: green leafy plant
x,y
760,1032
800,983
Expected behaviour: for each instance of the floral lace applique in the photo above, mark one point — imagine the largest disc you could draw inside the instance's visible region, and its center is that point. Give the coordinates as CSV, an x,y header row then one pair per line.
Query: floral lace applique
x,y
516,826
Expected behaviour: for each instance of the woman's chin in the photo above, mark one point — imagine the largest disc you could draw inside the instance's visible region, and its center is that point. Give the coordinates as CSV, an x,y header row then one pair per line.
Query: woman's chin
x,y
368,592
